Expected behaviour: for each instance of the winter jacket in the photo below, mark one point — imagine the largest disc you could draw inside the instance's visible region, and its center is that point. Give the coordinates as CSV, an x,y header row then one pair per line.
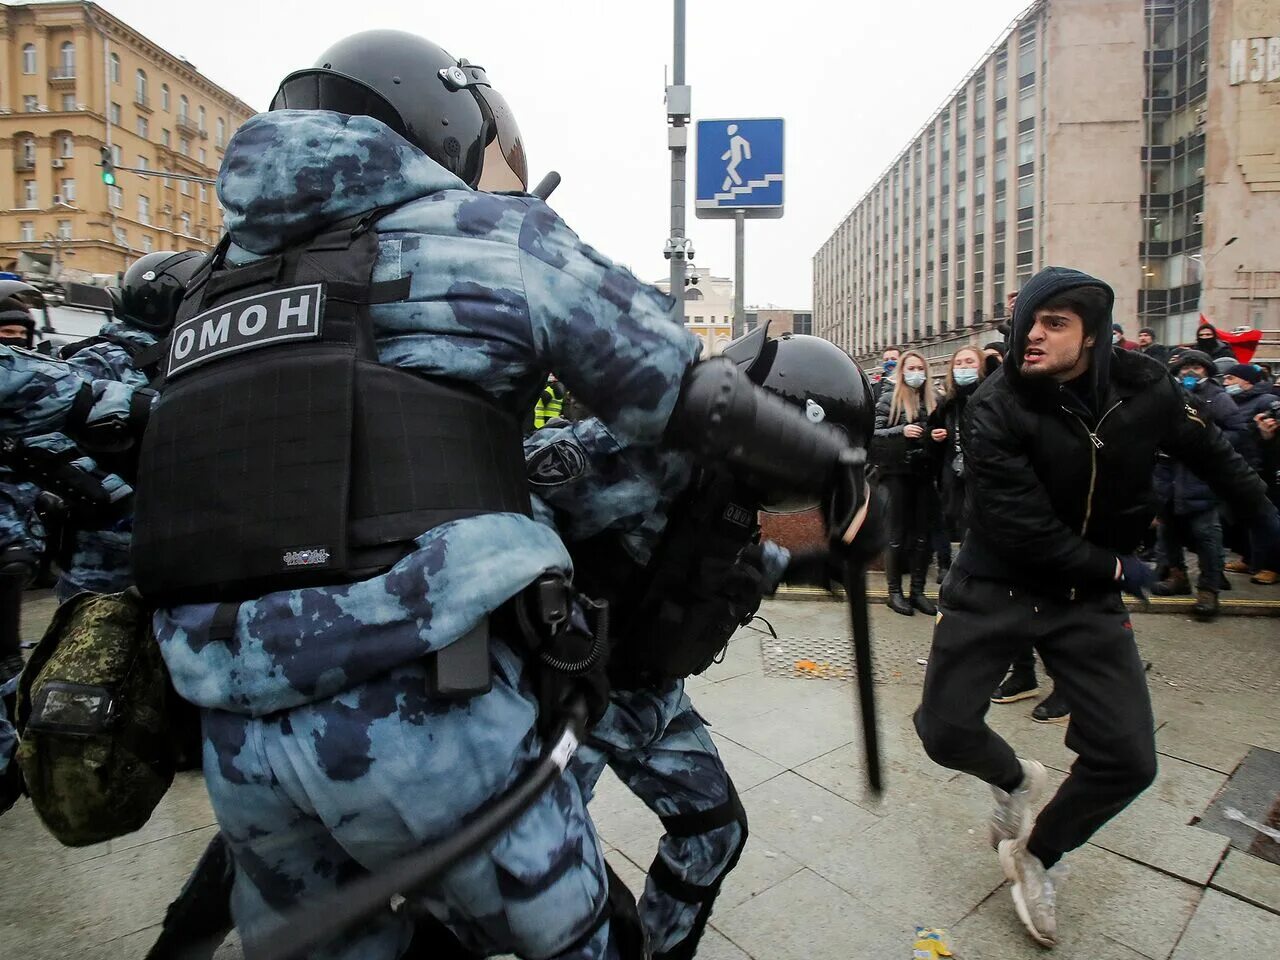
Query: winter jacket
x,y
1177,486
1059,486
893,453
951,485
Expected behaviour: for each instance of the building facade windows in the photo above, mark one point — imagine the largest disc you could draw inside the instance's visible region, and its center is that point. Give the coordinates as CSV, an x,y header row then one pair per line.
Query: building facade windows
x,y
68,189
115,68
29,59
27,230
67,60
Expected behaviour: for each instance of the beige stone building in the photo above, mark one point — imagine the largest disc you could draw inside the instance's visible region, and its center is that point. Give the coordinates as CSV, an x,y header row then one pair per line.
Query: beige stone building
x,y
708,308
74,80
1139,141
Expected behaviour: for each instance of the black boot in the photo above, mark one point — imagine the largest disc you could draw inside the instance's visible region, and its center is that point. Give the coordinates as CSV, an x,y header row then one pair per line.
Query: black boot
x,y
919,574
893,574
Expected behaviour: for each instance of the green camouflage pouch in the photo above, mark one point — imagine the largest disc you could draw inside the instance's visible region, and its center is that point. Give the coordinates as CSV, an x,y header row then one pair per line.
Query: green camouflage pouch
x,y
94,704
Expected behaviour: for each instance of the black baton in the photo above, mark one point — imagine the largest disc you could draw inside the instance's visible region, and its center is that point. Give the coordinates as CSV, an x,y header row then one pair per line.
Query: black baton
x,y
855,588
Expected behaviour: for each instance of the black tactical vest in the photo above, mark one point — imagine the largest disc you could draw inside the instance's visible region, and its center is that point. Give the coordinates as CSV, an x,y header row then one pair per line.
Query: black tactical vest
x,y
672,618
282,454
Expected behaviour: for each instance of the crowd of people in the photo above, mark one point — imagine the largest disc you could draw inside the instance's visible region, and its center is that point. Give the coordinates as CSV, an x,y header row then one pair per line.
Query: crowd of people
x,y
920,462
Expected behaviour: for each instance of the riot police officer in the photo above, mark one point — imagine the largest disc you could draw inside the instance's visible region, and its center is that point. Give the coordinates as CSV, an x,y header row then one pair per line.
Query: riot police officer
x,y
682,565
128,350
333,500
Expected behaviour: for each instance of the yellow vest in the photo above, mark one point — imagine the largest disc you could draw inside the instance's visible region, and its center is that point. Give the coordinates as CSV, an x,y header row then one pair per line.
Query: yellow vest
x,y
549,407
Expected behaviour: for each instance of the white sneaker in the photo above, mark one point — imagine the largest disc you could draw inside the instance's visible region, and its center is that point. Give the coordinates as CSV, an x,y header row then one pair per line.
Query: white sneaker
x,y
1012,817
1035,890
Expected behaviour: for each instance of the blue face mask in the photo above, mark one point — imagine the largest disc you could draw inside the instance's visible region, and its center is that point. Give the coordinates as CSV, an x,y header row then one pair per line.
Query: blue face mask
x,y
1234,388
1189,380
964,376
915,379
889,365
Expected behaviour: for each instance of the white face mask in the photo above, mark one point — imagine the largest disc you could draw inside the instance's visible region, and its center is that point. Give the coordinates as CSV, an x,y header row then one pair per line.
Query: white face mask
x,y
914,379
964,375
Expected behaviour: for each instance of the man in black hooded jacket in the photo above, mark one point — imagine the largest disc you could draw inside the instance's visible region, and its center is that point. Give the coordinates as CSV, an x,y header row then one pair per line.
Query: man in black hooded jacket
x,y
1061,443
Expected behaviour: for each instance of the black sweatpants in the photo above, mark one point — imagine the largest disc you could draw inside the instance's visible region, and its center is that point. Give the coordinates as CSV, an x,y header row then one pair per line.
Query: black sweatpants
x,y
1087,645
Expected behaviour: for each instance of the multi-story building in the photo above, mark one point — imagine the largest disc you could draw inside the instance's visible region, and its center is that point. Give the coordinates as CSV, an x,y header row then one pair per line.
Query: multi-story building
x,y
780,321
74,80
708,307
1139,141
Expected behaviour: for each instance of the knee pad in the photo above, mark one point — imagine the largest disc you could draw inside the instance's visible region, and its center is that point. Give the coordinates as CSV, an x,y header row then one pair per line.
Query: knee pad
x,y
729,813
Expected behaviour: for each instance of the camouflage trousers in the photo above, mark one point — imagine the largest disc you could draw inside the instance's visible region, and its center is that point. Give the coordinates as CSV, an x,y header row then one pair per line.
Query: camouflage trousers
x,y
311,797
658,745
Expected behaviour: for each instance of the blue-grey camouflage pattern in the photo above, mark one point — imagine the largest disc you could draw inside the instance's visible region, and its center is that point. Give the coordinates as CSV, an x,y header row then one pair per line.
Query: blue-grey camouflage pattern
x,y
659,746
111,361
38,393
20,527
8,741
99,560
587,482
324,754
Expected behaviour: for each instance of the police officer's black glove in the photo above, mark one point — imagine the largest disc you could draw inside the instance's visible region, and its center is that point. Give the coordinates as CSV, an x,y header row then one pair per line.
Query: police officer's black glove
x,y
1135,576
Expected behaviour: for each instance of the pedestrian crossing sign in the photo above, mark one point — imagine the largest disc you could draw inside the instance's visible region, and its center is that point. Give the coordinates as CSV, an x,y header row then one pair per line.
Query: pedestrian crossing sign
x,y
740,167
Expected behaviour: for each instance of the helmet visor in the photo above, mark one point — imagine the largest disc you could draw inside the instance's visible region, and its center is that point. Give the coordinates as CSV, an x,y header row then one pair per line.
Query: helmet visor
x,y
505,165
317,89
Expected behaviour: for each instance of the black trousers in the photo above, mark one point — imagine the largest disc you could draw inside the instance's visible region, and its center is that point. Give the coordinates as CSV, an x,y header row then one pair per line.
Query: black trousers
x,y
1087,645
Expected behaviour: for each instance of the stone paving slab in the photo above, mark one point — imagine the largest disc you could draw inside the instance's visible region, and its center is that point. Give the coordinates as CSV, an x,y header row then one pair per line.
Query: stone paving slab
x,y
1104,898
1227,928
1249,878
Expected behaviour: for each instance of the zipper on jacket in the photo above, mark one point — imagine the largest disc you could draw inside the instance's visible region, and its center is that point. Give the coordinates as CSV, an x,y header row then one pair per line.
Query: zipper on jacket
x,y
1093,458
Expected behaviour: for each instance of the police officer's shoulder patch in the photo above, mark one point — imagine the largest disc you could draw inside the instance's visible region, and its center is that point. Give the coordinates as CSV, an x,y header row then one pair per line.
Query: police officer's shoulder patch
x,y
556,463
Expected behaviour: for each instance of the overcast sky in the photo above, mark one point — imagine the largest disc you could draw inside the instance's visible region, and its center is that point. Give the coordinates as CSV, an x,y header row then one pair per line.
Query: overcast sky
x,y
854,82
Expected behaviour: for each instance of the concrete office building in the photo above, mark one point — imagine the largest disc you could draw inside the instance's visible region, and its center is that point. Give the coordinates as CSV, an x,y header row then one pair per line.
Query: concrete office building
x,y
780,321
1139,141
73,80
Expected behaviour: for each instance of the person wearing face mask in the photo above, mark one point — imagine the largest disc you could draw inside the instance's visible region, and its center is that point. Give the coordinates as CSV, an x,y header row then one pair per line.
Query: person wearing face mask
x,y
902,454
1209,343
963,376
888,364
1189,517
17,328
1247,385
1118,338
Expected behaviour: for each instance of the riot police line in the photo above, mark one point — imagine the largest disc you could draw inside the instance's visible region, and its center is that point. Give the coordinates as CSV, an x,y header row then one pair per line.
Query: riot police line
x,y
413,641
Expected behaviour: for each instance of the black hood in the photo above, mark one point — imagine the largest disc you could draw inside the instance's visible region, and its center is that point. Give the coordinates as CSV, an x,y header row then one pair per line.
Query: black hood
x,y
1049,283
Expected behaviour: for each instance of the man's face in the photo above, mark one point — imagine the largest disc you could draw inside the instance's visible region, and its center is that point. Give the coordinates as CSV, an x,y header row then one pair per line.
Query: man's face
x,y
1057,346
1231,381
1194,370
890,360
1145,339
13,331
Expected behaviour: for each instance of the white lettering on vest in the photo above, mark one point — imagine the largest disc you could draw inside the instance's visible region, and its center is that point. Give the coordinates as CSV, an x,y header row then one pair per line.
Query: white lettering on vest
x,y
184,343
248,326
214,332
298,313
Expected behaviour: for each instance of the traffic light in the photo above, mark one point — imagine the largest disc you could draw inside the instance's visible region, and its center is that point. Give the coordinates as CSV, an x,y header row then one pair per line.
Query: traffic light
x,y
108,168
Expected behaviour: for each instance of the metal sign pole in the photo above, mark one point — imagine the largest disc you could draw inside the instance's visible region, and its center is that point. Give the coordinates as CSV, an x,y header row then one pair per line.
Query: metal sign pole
x,y
740,263
678,107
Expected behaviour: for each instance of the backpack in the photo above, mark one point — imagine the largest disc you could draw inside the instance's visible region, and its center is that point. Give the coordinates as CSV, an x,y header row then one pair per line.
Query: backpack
x,y
97,716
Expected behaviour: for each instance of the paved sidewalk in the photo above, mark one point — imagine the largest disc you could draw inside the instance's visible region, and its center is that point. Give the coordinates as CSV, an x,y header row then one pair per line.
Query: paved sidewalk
x,y
828,872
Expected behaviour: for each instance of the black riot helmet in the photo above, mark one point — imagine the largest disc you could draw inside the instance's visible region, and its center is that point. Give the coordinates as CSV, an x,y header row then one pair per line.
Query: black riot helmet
x,y
444,106
152,289
814,375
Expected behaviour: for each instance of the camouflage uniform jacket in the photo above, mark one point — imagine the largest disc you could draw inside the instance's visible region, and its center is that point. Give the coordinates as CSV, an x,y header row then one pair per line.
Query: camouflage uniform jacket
x,y
501,293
